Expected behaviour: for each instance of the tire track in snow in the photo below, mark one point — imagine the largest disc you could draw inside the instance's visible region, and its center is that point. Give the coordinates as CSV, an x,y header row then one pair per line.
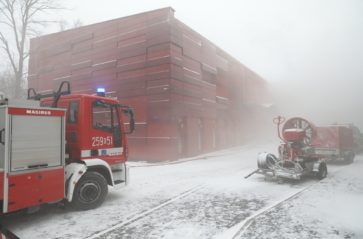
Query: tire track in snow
x,y
139,216
243,226
238,230
146,213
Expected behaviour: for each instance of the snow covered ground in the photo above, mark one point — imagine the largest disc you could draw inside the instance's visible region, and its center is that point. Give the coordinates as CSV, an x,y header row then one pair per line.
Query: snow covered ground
x,y
332,208
207,197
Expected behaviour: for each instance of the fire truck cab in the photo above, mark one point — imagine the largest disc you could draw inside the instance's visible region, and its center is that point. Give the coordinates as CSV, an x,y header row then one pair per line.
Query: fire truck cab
x,y
61,146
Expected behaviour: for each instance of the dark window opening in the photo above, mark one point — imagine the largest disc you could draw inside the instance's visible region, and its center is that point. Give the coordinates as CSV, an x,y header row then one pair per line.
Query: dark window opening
x,y
73,112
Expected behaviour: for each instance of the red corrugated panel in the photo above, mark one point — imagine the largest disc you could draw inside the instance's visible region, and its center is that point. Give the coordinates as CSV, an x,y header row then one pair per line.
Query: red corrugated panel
x,y
209,135
130,41
164,69
131,63
133,74
192,90
160,130
153,149
105,30
158,89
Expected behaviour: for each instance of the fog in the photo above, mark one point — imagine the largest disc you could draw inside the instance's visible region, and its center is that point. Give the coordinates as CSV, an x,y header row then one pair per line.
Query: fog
x,y
310,52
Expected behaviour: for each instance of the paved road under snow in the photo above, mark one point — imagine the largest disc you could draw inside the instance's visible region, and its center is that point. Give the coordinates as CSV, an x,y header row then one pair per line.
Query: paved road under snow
x,y
203,198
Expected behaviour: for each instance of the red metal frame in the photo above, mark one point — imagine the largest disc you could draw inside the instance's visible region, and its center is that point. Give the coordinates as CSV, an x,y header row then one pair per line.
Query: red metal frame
x,y
34,188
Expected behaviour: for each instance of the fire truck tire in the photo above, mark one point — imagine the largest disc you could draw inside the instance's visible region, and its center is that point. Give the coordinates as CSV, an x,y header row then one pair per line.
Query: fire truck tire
x,y
90,191
323,171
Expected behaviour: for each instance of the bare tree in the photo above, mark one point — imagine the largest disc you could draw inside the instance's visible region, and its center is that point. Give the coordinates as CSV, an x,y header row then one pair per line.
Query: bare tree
x,y
7,83
65,25
77,23
19,19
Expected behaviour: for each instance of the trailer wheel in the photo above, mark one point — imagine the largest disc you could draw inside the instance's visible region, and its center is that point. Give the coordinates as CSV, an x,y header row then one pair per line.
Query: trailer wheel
x,y
323,171
90,191
349,158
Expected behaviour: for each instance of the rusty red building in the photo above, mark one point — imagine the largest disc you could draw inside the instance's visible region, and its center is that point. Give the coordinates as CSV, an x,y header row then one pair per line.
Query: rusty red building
x,y
189,96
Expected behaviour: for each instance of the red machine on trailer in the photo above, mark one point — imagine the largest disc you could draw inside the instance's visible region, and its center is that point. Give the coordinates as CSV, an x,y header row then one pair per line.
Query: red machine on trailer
x,y
305,148
65,147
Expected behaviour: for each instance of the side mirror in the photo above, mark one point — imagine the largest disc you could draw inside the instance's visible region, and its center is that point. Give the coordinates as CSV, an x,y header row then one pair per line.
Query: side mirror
x,y
129,113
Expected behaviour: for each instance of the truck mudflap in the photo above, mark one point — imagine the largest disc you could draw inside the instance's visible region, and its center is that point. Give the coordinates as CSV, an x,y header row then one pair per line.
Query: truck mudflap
x,y
73,172
120,175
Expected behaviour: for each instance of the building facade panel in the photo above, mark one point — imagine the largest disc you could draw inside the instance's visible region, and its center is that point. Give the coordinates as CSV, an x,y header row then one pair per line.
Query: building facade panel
x,y
188,94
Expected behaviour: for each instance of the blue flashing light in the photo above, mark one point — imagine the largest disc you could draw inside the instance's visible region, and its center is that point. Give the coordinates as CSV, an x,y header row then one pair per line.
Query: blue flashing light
x,y
101,91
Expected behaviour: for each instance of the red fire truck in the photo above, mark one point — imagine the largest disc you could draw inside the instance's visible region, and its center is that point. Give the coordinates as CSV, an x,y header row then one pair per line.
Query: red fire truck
x,y
335,142
60,146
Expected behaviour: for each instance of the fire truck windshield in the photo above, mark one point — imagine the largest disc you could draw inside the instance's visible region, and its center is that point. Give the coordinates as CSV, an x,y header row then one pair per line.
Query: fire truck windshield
x,y
104,116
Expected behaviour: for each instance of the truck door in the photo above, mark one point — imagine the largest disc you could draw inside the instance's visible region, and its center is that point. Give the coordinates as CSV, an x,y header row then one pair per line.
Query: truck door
x,y
106,137
72,130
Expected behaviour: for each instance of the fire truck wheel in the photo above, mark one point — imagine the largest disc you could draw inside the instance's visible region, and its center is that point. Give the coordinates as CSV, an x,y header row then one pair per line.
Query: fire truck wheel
x,y
90,191
323,171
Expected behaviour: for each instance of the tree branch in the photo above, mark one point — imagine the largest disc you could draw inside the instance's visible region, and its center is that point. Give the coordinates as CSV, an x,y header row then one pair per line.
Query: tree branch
x,y
13,22
21,17
4,13
6,23
26,55
5,46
